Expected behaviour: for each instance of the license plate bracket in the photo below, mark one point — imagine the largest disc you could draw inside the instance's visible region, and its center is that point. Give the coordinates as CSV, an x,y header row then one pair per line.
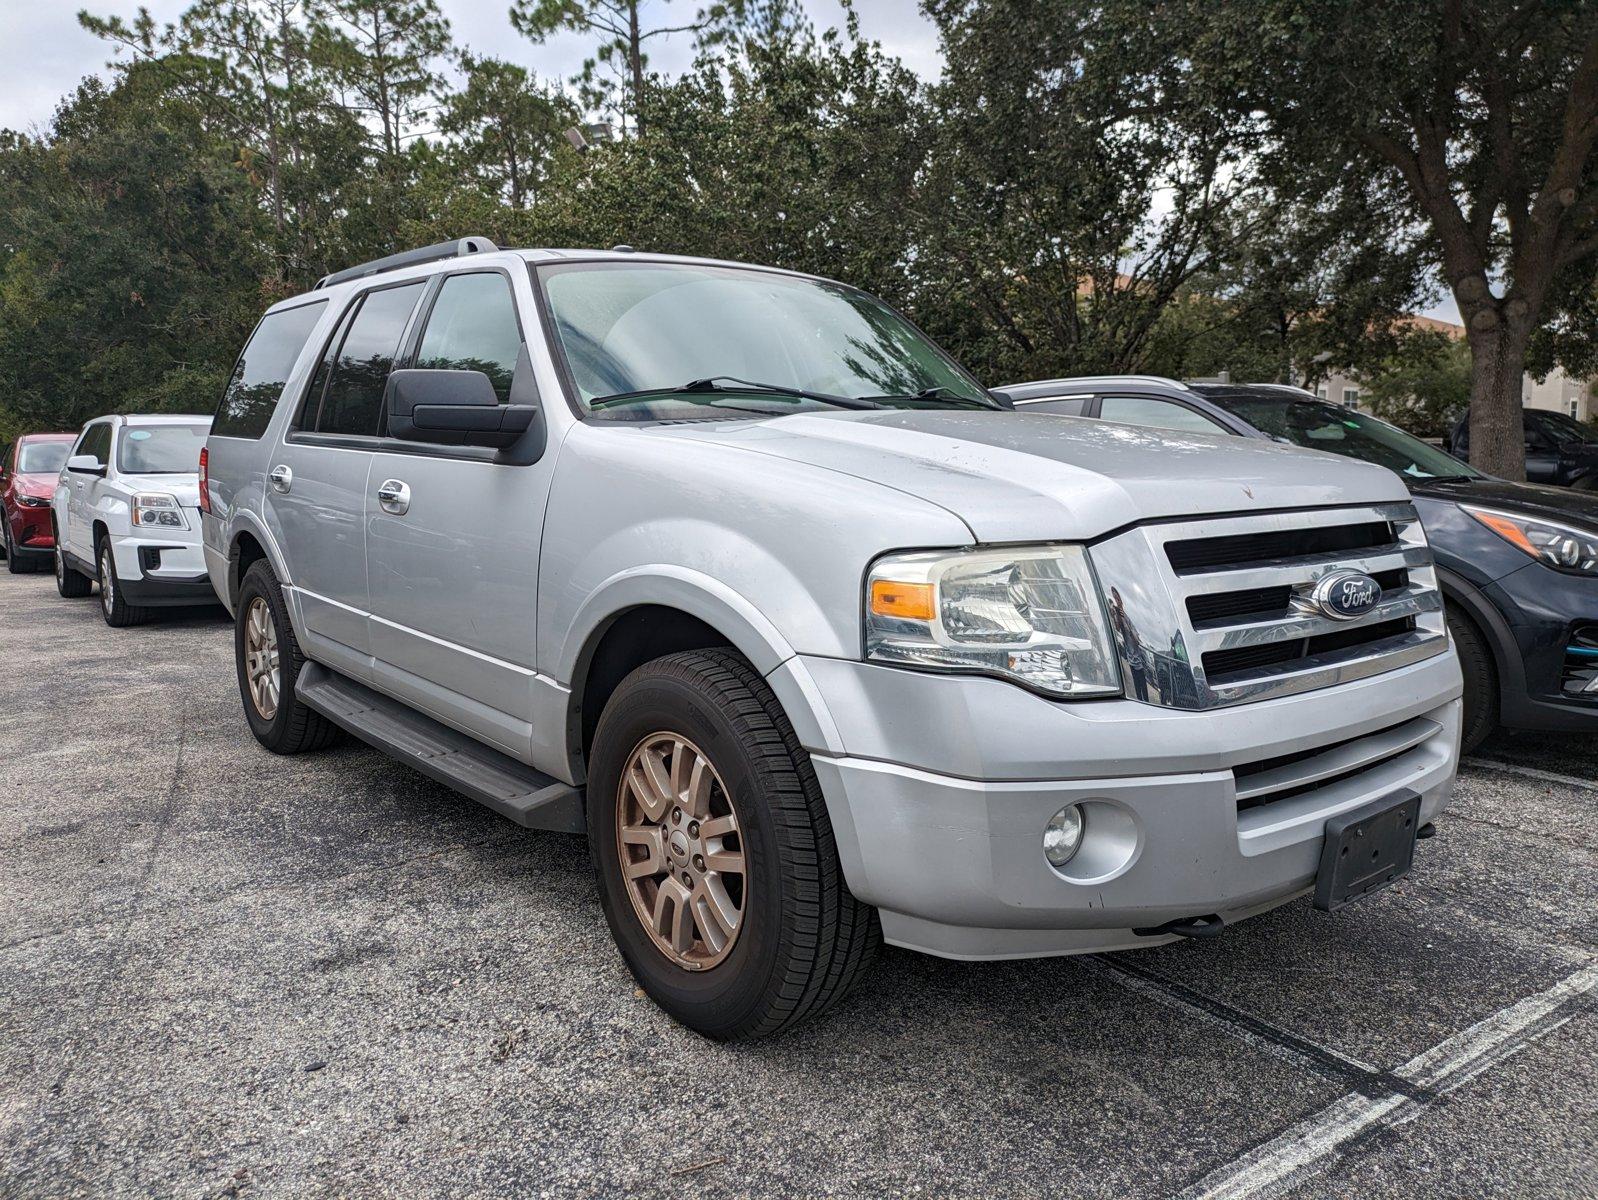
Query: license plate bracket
x,y
1366,849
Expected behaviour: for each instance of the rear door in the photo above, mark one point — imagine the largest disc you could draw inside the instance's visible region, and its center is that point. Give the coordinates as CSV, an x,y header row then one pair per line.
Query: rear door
x,y
315,499
453,570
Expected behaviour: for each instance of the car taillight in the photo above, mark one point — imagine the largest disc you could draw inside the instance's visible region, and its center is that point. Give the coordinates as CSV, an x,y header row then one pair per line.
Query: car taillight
x,y
205,482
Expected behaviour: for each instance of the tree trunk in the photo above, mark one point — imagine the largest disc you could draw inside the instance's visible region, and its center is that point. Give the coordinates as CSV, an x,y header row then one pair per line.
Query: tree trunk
x,y
635,60
1497,419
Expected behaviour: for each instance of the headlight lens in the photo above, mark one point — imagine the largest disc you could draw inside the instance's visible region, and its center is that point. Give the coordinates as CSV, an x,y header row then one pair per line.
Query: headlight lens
x,y
1563,547
1032,615
158,510
34,501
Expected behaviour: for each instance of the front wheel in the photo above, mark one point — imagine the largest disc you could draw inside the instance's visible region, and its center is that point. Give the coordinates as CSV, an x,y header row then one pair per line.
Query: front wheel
x,y
114,604
14,565
718,869
1480,716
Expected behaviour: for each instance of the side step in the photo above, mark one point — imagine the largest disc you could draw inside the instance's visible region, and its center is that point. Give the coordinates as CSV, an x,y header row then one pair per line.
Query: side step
x,y
512,789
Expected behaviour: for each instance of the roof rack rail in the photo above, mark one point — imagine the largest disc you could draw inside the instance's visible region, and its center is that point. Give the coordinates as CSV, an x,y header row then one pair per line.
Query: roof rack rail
x,y
410,258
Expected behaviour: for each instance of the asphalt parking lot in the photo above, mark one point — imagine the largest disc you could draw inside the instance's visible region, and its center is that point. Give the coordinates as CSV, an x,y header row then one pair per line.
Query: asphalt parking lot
x,y
224,973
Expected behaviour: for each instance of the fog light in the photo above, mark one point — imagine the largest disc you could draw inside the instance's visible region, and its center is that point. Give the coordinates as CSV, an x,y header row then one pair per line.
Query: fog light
x,y
1062,836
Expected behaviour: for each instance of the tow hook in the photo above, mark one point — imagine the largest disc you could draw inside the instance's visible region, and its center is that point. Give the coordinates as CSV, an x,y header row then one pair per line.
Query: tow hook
x,y
1188,927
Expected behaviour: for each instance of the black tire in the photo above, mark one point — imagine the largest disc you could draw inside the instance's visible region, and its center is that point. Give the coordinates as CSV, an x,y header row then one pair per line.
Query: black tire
x,y
1481,681
67,580
804,940
292,728
14,565
114,606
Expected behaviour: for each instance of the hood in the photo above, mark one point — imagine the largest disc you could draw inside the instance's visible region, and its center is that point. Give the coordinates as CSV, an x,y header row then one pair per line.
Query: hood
x,y
1529,498
1015,476
185,488
36,484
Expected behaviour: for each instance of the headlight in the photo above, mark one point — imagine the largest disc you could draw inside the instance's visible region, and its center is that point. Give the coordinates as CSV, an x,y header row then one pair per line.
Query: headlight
x,y
34,501
1563,547
158,510
1032,615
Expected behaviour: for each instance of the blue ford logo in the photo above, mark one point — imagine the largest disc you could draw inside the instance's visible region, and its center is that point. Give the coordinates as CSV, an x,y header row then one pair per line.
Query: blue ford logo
x,y
1345,595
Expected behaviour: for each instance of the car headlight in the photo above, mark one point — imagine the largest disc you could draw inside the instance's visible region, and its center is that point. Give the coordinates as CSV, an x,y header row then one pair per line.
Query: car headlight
x,y
1563,547
158,510
1032,615
34,501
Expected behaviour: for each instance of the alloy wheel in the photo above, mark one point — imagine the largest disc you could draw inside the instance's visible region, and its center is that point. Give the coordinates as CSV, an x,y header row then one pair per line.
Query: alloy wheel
x,y
261,670
107,587
60,566
681,852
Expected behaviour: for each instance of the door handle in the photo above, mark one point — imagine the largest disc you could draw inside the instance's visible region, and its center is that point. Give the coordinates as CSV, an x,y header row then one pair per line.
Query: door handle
x,y
395,496
282,478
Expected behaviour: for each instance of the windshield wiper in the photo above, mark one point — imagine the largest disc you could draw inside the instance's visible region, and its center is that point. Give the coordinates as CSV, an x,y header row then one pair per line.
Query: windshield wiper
x,y
937,392
712,384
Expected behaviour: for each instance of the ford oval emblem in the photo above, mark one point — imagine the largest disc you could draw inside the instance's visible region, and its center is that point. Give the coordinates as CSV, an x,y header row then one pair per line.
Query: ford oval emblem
x,y
1344,595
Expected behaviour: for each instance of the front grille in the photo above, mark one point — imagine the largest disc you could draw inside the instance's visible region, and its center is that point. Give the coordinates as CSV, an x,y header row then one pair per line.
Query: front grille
x,y
1246,549
1220,665
1284,776
1218,610
1580,675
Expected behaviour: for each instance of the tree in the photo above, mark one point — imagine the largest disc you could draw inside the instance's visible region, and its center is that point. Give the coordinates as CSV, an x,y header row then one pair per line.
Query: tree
x,y
1072,190
616,76
1423,384
505,127
383,55
1479,115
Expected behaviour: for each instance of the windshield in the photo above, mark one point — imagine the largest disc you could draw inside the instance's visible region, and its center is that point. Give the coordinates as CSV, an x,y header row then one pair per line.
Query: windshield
x,y
1319,426
634,333
1557,427
161,449
42,458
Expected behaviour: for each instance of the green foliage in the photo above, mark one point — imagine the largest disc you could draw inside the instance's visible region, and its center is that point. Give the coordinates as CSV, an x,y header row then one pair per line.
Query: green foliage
x,y
1422,384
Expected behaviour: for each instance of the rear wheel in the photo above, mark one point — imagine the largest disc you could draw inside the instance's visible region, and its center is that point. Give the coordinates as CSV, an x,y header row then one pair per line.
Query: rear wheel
x,y
718,869
1481,681
67,580
269,663
114,604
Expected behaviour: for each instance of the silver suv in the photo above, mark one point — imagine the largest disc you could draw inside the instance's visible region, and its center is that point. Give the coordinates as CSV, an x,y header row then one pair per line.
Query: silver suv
x,y
819,642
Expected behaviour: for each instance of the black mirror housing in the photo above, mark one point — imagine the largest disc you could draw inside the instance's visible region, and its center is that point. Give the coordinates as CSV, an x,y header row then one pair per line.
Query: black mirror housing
x,y
453,407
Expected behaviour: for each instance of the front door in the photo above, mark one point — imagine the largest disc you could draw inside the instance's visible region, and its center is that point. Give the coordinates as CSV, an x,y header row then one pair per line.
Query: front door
x,y
317,480
452,549
96,443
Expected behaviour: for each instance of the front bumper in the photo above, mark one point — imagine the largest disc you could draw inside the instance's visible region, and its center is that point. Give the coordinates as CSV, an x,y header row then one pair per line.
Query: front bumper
x,y
1543,608
939,788
30,530
161,571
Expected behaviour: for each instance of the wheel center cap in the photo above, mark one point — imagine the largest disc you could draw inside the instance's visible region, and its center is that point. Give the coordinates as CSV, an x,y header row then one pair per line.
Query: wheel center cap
x,y
678,843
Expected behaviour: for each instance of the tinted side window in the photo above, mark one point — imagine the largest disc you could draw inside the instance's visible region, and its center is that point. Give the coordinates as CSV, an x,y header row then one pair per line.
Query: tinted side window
x,y
1069,406
1160,414
96,442
262,370
473,328
355,387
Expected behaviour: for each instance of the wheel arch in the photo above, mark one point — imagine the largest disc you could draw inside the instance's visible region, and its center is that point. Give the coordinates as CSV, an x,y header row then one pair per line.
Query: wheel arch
x,y
643,615
1468,599
249,541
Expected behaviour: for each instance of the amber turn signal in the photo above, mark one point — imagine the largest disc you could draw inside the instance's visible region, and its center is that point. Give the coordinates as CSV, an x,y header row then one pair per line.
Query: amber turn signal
x,y
912,601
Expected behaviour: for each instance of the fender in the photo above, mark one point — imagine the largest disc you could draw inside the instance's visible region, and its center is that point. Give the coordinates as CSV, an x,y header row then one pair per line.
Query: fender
x,y
245,521
695,593
1500,639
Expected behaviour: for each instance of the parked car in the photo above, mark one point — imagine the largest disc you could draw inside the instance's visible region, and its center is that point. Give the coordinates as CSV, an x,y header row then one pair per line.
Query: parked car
x,y
1560,451
1518,564
735,569
126,516
28,470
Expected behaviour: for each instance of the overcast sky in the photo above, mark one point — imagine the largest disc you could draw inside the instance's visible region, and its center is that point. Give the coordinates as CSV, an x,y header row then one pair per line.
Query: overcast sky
x,y
43,52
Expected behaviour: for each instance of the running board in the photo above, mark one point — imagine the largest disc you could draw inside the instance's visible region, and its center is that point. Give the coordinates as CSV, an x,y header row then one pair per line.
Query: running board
x,y
497,781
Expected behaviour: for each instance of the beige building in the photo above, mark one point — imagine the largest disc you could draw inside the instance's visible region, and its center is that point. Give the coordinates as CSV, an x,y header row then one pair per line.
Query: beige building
x,y
1557,393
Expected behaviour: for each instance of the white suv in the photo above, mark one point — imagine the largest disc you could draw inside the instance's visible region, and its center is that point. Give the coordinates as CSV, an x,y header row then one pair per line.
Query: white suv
x,y
126,514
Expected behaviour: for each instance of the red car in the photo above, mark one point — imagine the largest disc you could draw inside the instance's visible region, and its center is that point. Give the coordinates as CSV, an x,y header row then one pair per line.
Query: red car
x,y
28,471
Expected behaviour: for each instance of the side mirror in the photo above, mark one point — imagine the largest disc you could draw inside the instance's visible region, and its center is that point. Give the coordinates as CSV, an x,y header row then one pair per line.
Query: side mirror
x,y
86,464
455,407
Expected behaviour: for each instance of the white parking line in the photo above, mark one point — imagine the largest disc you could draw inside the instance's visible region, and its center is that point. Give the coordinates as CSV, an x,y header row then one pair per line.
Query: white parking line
x,y
1491,764
1286,1160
